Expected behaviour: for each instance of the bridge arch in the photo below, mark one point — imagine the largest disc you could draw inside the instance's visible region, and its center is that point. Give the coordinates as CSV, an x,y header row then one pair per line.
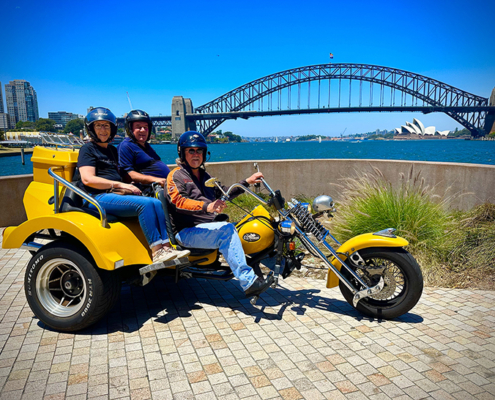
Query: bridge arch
x,y
419,87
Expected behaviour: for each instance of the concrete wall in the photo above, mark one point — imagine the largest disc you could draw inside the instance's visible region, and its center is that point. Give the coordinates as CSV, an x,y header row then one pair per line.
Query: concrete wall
x,y
12,190
470,184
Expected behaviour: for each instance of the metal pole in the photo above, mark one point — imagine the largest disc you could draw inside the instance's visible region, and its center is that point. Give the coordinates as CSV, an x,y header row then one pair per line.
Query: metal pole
x,y
22,156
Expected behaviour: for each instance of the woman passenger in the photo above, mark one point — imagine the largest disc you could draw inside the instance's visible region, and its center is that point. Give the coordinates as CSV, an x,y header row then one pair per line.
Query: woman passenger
x,y
97,164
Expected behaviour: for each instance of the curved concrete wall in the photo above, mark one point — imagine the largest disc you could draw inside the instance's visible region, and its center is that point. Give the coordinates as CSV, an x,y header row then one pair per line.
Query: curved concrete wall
x,y
471,184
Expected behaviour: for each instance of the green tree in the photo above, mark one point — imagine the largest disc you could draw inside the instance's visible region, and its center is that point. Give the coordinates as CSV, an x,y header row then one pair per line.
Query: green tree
x,y
2,135
74,126
232,137
45,124
25,125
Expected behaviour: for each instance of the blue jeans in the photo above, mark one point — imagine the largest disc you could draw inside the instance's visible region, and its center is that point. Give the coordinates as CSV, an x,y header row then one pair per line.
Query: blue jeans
x,y
148,210
222,236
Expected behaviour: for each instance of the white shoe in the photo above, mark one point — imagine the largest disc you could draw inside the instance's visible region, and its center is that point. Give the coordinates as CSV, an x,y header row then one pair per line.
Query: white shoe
x,y
168,253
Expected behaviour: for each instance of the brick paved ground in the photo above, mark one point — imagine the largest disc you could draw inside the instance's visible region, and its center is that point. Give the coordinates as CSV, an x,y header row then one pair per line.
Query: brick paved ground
x,y
203,340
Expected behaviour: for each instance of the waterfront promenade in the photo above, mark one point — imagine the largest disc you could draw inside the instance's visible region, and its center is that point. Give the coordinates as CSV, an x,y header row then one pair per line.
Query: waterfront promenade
x,y
202,339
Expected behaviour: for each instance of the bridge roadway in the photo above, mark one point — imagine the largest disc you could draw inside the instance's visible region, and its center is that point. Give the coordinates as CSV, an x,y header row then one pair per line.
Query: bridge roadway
x,y
203,340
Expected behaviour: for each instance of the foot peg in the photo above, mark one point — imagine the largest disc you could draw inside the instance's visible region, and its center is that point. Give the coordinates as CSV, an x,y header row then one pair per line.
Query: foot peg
x,y
162,265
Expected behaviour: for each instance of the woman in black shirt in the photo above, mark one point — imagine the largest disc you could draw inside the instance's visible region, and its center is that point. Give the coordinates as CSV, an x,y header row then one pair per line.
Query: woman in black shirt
x,y
98,166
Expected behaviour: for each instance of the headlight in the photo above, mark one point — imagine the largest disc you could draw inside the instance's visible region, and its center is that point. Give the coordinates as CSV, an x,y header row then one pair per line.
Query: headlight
x,y
323,203
307,206
288,227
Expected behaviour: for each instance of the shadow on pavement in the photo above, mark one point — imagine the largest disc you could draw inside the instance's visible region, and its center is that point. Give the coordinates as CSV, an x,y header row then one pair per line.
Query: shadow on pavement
x,y
164,301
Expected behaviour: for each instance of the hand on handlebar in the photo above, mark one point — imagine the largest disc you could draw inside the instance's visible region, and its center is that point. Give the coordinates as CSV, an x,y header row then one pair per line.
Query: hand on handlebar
x,y
255,178
216,207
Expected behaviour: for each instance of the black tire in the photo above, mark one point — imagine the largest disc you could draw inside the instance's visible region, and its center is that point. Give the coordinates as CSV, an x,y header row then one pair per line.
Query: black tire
x,y
66,290
403,290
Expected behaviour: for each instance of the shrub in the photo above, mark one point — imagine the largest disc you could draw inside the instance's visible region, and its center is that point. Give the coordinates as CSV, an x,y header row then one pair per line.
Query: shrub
x,y
372,204
471,241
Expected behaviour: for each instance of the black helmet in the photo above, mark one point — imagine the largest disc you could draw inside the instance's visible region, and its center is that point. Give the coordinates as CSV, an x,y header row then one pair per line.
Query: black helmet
x,y
100,114
135,116
190,139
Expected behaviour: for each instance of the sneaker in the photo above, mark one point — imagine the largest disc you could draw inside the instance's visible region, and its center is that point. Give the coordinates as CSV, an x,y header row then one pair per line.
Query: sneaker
x,y
169,253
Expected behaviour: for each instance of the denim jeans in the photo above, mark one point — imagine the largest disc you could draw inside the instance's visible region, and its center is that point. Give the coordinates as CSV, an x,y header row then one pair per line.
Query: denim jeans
x,y
148,210
222,236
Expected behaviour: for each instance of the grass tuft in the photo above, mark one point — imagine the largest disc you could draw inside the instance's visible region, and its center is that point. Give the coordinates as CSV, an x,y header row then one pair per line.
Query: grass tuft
x,y
372,204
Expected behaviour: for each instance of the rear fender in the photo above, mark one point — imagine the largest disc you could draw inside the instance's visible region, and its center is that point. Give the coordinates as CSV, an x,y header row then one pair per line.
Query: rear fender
x,y
120,241
358,243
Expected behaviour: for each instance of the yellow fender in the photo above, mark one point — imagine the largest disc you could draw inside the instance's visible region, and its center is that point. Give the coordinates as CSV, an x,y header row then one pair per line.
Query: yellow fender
x,y
121,241
358,243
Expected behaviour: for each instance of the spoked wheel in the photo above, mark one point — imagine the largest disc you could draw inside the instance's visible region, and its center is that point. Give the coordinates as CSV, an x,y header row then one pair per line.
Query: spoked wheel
x,y
66,290
402,277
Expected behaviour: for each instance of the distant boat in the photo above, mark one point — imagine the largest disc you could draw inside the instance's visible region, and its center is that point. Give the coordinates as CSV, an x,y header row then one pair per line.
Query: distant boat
x,y
319,139
276,139
165,142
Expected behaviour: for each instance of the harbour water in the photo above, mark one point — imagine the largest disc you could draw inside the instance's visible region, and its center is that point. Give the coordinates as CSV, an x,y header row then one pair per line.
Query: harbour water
x,y
450,150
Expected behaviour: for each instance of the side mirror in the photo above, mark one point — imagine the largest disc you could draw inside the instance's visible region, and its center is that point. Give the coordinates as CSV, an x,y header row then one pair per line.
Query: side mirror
x,y
323,203
210,182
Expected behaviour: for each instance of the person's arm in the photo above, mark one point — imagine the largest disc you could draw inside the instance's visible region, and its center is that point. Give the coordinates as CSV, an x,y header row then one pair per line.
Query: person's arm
x,y
146,179
89,178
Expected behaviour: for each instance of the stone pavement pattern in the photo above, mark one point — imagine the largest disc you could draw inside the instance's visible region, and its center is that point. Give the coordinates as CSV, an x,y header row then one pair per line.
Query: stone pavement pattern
x,y
201,339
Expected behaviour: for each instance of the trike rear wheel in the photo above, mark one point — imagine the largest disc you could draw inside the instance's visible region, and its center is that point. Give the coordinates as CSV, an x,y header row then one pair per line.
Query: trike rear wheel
x,y
66,290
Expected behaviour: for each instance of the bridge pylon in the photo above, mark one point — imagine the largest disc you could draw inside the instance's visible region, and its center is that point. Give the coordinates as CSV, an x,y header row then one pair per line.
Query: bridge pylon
x,y
181,124
490,116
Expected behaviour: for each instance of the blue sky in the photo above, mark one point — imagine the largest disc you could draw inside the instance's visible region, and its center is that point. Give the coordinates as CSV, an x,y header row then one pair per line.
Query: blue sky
x,y
78,54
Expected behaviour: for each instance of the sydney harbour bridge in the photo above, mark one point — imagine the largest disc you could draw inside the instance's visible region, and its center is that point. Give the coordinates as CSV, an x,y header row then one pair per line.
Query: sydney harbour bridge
x,y
334,88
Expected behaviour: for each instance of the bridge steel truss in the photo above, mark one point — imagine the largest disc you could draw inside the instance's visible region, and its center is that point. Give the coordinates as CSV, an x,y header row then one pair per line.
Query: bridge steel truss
x,y
466,108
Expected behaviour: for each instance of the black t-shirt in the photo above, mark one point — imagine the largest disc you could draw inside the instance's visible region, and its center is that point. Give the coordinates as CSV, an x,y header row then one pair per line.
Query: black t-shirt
x,y
104,160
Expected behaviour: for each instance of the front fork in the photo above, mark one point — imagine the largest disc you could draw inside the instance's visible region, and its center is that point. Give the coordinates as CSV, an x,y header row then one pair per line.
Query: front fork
x,y
358,294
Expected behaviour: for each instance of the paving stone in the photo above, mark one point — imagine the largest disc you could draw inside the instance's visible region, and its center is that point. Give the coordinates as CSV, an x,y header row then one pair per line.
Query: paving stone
x,y
228,349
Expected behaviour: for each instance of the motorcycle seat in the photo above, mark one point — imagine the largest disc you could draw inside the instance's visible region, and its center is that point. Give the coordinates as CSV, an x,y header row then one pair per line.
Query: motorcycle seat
x,y
73,202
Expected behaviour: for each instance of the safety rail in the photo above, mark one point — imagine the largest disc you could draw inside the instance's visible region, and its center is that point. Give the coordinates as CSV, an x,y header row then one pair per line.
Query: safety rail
x,y
58,179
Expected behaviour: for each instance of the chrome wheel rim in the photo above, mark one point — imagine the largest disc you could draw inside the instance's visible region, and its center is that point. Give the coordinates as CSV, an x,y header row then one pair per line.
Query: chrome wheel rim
x,y
61,287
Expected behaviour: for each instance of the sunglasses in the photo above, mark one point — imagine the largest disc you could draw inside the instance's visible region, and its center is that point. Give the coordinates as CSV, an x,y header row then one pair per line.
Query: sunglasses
x,y
102,126
195,151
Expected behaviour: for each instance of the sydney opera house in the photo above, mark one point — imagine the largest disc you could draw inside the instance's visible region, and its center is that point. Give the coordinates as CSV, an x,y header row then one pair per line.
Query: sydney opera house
x,y
417,128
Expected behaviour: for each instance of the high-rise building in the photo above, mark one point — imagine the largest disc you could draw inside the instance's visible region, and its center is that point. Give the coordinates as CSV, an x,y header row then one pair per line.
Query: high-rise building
x,y
22,102
62,117
6,121
2,110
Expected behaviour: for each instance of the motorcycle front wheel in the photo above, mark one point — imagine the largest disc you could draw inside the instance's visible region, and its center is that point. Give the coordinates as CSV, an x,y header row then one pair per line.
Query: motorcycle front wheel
x,y
403,282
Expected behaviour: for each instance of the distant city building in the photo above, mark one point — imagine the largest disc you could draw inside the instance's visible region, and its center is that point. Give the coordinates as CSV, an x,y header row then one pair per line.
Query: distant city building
x,y
22,102
62,117
6,121
2,110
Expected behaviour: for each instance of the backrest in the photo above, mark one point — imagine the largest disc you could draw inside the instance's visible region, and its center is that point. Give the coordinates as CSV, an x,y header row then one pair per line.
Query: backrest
x,y
168,222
